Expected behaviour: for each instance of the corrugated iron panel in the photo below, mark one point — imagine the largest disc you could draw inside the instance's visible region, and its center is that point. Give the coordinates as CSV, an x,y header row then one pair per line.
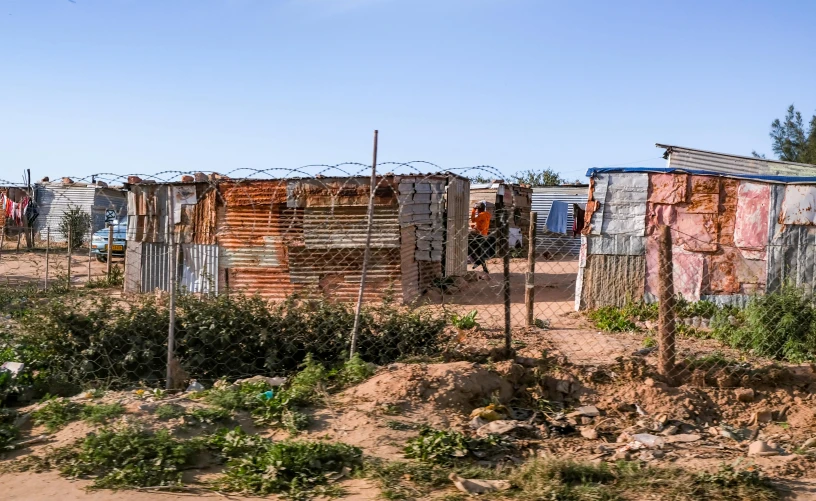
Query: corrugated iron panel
x,y
199,271
157,261
271,283
689,158
618,245
409,272
612,280
54,201
256,236
623,204
346,227
542,199
456,235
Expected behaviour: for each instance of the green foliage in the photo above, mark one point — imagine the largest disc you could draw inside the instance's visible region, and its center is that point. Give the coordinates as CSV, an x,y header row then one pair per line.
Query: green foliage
x,y
56,413
544,177
169,411
780,325
791,140
102,413
703,309
74,224
649,342
465,322
116,279
205,415
355,371
444,447
611,319
76,340
568,480
294,469
482,178
131,457
400,480
8,432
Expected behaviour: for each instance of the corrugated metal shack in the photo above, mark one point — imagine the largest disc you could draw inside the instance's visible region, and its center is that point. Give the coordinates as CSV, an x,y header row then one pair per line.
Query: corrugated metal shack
x,y
558,244
516,197
54,199
276,237
733,234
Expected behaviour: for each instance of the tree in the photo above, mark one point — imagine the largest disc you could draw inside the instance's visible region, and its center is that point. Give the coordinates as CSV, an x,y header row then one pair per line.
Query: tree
x,y
791,141
545,177
73,225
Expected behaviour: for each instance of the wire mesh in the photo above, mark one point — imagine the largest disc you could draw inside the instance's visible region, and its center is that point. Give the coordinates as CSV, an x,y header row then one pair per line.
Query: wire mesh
x,y
268,266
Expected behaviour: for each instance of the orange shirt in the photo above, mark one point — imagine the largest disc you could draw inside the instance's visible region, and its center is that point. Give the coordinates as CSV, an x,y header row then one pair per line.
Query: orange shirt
x,y
481,222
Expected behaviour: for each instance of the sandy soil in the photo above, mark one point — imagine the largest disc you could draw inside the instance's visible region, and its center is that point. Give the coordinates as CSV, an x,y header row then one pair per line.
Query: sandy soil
x,y
30,267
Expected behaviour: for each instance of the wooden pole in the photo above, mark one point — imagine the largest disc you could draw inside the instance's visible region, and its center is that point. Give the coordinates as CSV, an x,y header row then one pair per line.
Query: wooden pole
x,y
2,238
505,249
529,279
47,252
110,251
171,328
667,353
367,250
90,256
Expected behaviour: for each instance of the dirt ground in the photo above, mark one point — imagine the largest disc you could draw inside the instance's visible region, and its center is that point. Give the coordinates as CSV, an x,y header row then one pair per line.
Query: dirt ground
x,y
30,267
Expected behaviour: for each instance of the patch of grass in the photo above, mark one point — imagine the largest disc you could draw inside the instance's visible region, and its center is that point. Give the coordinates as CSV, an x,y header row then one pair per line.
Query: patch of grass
x,y
355,371
400,425
294,469
444,447
568,480
56,413
205,415
465,322
710,361
649,342
102,413
400,480
130,457
169,411
611,319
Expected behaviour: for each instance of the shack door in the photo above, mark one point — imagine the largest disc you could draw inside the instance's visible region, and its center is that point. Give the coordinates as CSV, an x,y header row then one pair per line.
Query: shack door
x,y
458,224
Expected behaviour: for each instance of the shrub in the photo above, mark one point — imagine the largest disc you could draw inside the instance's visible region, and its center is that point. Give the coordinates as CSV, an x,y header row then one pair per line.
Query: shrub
x,y
8,432
56,413
74,224
611,319
465,322
444,447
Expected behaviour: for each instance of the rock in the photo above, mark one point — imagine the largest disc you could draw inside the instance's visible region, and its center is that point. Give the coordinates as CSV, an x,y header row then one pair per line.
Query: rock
x,y
760,448
683,437
505,427
761,417
478,422
650,455
622,456
134,180
729,434
809,443
187,179
590,433
271,381
670,430
477,486
624,438
745,395
624,407
200,177
586,411
586,420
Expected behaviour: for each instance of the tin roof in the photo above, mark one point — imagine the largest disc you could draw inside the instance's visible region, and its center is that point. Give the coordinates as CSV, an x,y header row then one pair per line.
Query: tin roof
x,y
768,178
694,159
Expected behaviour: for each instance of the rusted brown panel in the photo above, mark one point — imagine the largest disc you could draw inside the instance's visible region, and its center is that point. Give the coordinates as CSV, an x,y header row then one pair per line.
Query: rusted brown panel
x,y
705,185
204,218
591,206
257,236
723,273
330,192
704,203
253,193
728,192
726,222
271,283
668,188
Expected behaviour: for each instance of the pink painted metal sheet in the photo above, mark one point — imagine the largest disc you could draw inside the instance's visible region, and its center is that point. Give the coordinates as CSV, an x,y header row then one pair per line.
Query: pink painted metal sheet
x,y
751,225
696,232
799,205
667,188
688,269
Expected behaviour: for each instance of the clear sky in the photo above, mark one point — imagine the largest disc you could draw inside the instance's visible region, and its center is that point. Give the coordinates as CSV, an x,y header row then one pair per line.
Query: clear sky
x,y
143,86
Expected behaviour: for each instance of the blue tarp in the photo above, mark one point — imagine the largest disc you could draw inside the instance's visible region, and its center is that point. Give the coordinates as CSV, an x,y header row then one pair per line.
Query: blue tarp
x,y
669,170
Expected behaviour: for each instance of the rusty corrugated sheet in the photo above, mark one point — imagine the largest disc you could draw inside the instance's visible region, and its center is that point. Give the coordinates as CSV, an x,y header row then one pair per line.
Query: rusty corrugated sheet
x,y
668,188
610,280
255,236
332,192
346,227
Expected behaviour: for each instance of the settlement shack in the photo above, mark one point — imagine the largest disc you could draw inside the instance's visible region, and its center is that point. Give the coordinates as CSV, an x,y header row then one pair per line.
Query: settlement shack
x,y
739,226
515,197
55,198
276,237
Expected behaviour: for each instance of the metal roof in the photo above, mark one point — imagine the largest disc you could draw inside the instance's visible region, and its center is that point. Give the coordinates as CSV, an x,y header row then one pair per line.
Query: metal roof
x,y
768,178
680,157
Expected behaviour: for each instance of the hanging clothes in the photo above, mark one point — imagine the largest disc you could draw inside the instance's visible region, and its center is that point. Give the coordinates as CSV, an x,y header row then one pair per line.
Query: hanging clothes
x,y
557,218
577,219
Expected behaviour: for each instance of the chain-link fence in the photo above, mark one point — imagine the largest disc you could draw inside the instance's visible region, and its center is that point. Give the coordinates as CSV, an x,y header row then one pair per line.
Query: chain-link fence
x,y
194,276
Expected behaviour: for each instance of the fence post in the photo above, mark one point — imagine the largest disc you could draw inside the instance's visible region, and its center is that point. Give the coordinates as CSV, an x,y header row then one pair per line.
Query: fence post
x,y
90,248
505,249
110,251
2,239
171,329
47,252
529,279
666,322
70,244
366,251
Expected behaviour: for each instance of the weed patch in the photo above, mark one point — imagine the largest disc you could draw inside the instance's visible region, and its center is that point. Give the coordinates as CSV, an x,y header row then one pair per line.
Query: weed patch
x,y
56,413
445,447
400,480
102,413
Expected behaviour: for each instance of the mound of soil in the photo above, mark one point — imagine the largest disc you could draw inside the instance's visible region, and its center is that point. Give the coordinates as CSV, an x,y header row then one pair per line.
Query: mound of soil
x,y
458,386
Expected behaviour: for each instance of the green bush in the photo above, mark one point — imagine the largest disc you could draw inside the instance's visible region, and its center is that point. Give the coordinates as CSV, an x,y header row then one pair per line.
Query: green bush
x,y
75,223
444,447
56,413
8,432
611,319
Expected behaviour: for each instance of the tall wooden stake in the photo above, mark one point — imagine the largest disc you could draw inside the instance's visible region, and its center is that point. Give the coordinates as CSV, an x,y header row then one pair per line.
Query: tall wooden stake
x,y
70,244
47,252
529,278
110,251
367,250
667,354
505,249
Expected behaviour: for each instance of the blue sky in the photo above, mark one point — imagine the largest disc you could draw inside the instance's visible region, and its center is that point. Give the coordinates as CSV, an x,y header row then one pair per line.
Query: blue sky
x,y
144,86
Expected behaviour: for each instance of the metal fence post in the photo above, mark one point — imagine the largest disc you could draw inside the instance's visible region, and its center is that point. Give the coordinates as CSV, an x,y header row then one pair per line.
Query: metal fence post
x,y
505,249
171,329
110,251
667,351
366,251
70,244
529,279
